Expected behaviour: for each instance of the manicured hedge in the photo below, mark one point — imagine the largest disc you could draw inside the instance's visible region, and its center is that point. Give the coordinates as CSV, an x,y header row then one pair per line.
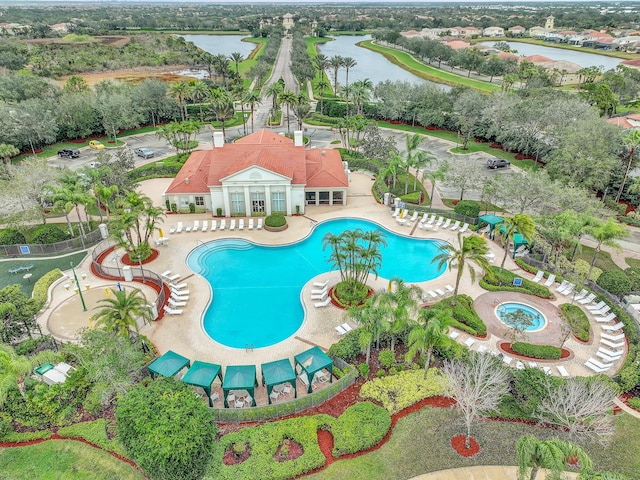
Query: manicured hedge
x,y
402,390
93,432
413,197
263,442
578,321
41,287
615,282
547,352
502,281
275,220
49,233
348,347
470,208
465,315
360,427
9,236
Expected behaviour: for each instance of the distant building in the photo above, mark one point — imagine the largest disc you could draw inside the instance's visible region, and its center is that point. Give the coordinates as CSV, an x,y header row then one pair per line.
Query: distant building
x,y
493,32
516,31
629,121
548,24
287,22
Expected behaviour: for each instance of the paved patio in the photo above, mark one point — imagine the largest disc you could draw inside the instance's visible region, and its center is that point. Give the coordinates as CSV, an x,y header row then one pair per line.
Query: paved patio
x,y
183,333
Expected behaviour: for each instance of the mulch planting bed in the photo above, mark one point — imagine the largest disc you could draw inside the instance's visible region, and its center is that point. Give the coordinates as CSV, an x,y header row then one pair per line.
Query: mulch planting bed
x,y
127,260
506,346
459,444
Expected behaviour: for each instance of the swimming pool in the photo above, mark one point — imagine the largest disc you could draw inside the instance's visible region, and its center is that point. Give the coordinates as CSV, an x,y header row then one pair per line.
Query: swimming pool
x,y
538,319
256,288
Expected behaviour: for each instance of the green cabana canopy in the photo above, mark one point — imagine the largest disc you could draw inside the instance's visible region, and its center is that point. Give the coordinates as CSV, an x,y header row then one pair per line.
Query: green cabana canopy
x,y
312,361
491,220
168,364
240,377
202,374
275,373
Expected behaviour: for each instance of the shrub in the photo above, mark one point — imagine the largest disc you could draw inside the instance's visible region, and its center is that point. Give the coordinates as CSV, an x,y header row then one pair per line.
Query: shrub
x,y
502,280
465,315
29,346
470,208
360,427
381,373
9,236
537,351
578,321
387,358
581,268
16,437
634,277
174,208
615,282
48,233
396,392
275,220
634,403
413,197
529,389
147,419
41,287
364,369
348,347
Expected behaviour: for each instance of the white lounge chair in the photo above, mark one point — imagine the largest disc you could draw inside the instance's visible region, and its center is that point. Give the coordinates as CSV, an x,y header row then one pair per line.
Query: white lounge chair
x,y
319,291
596,307
232,225
241,224
250,226
449,288
599,364
174,277
395,212
568,289
64,368
196,225
469,341
223,224
520,365
171,311
547,370
321,284
172,229
464,228
440,292
602,312
424,218
446,224
214,225
347,327
563,371
611,353
607,319
439,222
595,368
550,280
521,251
414,216
432,294
455,226
538,276
259,225
179,228
579,296
562,286
341,331
507,359
482,349
613,338
179,291
165,273
178,286
609,343
324,303
588,299
273,396
432,219
175,304
179,298
319,296
607,358
453,334
532,364
205,225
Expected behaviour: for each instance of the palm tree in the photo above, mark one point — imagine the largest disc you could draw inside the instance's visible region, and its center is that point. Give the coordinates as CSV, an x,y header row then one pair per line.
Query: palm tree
x,y
433,176
415,158
322,85
348,63
7,151
252,98
179,91
605,233
552,454
120,312
222,107
236,57
273,90
631,140
221,63
360,92
472,251
429,330
288,98
301,108
321,62
14,367
239,94
336,63
137,219
198,92
520,223
402,304
371,319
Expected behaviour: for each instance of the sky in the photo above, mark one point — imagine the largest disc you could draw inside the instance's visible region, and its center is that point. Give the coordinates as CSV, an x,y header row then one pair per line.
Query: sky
x,y
307,1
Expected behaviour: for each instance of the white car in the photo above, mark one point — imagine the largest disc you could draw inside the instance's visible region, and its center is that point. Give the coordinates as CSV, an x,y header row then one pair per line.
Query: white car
x,y
144,152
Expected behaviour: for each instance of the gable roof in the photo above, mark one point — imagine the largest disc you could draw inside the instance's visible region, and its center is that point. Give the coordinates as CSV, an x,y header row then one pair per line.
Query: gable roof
x,y
324,168
537,59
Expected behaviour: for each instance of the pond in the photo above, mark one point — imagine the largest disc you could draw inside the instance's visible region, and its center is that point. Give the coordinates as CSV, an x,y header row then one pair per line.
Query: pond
x,y
221,44
584,59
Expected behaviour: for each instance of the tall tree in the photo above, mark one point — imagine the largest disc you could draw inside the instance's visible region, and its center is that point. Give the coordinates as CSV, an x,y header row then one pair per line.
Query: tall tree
x,y
348,63
288,98
402,304
273,90
631,141
336,64
179,91
14,368
371,317
605,233
428,331
252,98
8,151
472,251
236,57
520,223
119,312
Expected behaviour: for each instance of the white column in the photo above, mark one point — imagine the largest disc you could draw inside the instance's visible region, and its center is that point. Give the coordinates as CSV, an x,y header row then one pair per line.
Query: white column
x,y
267,199
247,201
225,197
288,199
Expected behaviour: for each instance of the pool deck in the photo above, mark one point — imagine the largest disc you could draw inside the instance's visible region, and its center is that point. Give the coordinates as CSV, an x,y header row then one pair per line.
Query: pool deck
x,y
183,333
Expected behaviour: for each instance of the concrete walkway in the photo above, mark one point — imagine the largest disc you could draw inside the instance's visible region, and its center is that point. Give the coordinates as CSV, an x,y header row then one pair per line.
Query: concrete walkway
x,y
482,473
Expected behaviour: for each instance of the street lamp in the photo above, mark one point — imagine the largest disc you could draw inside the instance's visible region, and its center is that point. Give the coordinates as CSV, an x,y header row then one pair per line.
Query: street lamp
x,y
84,306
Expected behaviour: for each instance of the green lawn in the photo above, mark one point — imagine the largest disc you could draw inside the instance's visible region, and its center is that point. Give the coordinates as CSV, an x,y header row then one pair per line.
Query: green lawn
x,y
40,267
64,460
484,206
632,262
411,64
603,262
246,65
420,443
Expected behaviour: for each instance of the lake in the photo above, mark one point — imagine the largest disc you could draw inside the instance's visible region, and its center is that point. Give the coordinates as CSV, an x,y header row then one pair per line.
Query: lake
x,y
221,44
584,59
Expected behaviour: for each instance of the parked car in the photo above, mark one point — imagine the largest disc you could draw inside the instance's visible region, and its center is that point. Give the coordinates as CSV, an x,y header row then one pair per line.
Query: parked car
x,y
69,153
144,152
96,144
497,163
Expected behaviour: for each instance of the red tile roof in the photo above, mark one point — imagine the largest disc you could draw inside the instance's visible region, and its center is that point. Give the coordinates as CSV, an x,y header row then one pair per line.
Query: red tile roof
x,y
537,59
631,63
458,44
620,122
506,55
264,149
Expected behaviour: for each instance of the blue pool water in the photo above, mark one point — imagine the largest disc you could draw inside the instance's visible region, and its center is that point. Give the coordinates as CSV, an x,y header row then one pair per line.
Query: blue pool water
x,y
539,321
256,288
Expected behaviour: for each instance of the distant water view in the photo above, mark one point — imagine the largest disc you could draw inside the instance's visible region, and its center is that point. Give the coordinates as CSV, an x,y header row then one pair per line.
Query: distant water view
x,y
584,59
221,44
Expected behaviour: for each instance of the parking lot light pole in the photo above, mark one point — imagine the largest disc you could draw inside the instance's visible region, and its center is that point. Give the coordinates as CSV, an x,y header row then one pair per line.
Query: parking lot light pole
x,y
84,306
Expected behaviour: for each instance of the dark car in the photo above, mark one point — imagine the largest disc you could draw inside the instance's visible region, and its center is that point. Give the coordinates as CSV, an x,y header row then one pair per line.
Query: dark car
x,y
144,152
69,153
497,163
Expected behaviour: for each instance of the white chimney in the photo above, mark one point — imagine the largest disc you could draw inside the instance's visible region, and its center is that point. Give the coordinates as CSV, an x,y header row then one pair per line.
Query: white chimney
x,y
218,140
297,138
